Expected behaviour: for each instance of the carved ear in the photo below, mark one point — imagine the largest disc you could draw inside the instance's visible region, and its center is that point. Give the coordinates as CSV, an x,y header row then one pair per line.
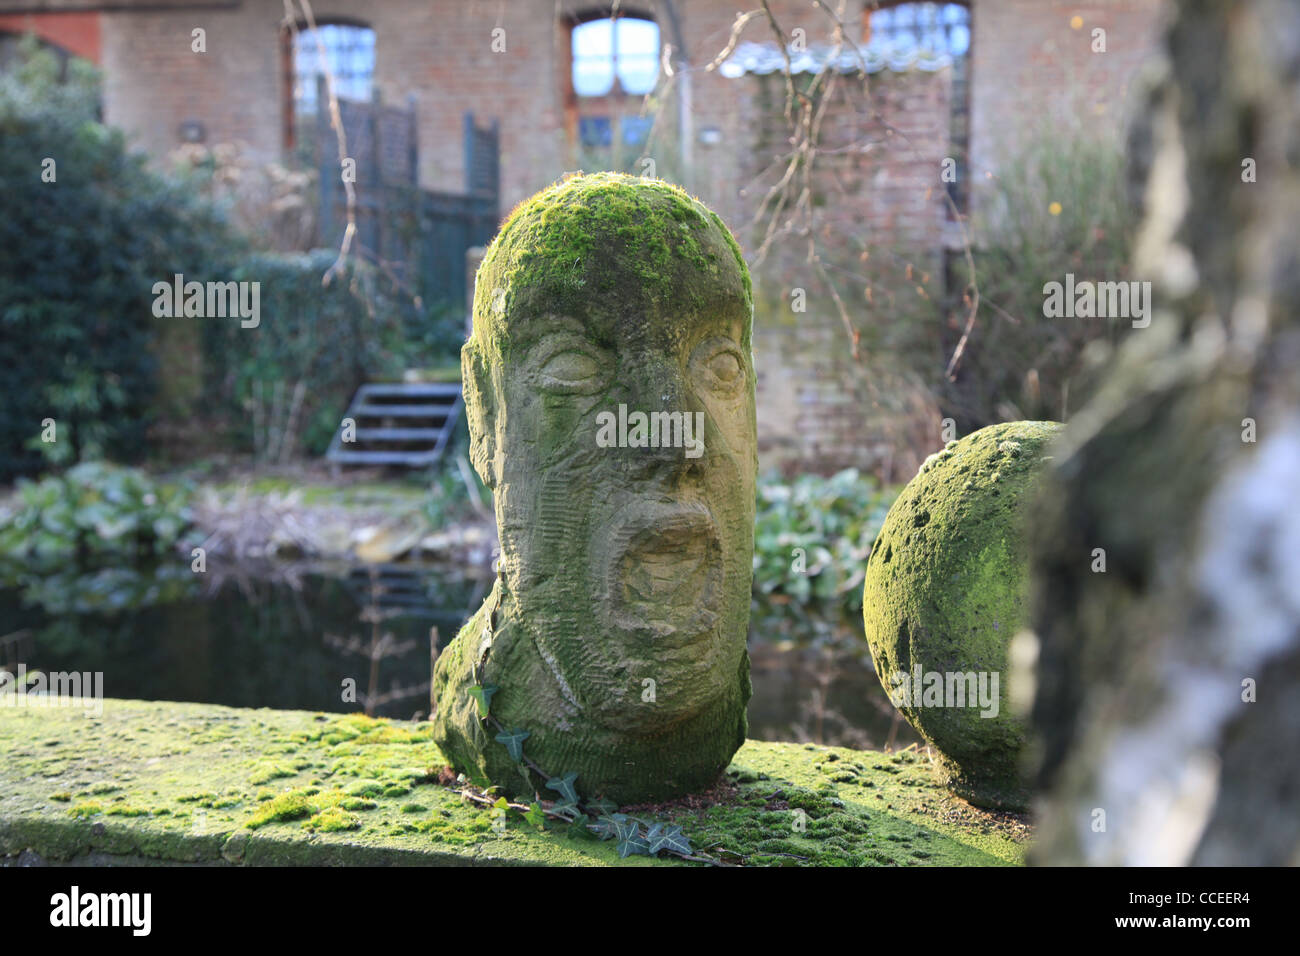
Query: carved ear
x,y
480,412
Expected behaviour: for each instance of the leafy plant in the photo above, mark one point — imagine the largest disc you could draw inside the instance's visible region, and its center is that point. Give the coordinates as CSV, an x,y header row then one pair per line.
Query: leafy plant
x,y
634,836
812,535
85,240
286,383
96,508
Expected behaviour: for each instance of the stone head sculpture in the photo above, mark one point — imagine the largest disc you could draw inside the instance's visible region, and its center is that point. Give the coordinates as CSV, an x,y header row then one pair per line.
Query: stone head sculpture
x,y
609,389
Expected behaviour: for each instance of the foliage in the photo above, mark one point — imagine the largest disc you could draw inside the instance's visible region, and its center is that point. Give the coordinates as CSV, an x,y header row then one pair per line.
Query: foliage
x,y
286,383
1059,206
82,253
96,508
634,836
448,500
67,592
812,536
275,205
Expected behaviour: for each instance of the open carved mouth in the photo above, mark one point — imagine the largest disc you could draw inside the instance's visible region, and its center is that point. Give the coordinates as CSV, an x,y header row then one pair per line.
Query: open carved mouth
x,y
664,571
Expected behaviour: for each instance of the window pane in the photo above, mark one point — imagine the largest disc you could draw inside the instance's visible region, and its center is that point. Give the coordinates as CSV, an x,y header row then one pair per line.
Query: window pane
x,y
635,129
595,130
638,74
350,55
638,54
626,46
593,58
932,31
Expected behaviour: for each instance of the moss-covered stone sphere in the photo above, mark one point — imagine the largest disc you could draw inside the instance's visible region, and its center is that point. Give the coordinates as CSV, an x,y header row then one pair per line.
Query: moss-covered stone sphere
x,y
945,593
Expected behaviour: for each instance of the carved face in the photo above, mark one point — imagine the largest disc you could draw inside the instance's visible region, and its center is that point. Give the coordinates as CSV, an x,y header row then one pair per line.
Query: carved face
x,y
630,564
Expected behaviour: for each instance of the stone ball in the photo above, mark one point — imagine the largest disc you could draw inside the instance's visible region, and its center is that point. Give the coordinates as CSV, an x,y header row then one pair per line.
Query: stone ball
x,y
946,590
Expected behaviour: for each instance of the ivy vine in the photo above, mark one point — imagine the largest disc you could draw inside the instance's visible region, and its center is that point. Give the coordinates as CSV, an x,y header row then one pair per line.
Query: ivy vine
x,y
599,816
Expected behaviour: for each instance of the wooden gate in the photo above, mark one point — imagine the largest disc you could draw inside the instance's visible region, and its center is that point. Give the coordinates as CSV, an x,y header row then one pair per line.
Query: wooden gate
x,y
420,234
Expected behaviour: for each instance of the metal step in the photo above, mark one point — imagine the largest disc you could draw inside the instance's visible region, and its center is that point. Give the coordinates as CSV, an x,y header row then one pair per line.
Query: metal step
x,y
437,404
398,434
412,390
399,411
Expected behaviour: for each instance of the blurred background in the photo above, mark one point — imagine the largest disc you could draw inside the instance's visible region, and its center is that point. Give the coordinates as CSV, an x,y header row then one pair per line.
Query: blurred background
x,y
902,177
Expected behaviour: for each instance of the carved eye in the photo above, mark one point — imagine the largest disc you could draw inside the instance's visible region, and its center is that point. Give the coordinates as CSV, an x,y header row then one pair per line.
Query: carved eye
x,y
570,369
719,366
726,366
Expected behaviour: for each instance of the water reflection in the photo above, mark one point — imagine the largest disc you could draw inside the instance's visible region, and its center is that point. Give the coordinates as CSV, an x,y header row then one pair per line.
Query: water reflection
x,y
343,639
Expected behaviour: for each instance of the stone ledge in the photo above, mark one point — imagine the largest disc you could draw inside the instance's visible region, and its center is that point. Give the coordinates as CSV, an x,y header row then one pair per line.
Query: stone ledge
x,y
200,784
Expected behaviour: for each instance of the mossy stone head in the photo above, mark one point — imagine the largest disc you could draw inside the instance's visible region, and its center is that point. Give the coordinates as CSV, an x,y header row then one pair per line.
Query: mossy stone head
x,y
609,391
609,249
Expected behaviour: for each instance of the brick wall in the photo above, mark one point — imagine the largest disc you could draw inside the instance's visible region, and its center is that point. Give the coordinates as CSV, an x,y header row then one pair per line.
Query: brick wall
x,y
1028,62
1032,64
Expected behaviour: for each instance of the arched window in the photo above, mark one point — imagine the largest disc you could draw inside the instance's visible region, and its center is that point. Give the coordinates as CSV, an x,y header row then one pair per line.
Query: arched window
x,y
625,48
920,34
614,64
349,55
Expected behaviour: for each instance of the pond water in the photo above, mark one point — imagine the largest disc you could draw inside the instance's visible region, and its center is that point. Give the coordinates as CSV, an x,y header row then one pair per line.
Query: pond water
x,y
290,637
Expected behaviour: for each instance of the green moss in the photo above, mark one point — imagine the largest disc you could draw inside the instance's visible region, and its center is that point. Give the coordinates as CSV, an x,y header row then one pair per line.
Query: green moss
x,y
203,798
945,593
631,242
267,773
326,825
332,820
287,806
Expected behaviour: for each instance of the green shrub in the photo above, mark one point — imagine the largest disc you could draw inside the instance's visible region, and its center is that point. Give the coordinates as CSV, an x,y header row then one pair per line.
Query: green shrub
x,y
812,536
95,508
81,255
287,382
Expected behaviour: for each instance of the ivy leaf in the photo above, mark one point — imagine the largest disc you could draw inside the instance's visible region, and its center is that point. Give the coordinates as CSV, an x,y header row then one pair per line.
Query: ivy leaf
x,y
535,815
514,741
564,786
630,841
671,839
607,826
502,804
567,808
483,694
603,806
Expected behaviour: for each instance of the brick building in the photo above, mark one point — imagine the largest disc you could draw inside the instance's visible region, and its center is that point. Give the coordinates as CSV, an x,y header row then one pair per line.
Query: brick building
x,y
922,84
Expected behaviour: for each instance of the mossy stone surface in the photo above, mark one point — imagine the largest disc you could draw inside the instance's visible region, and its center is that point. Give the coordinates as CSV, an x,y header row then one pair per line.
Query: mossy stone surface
x,y
945,592
171,783
644,243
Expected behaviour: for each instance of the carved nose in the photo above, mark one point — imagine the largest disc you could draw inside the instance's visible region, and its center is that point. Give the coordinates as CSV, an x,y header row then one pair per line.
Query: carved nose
x,y
662,387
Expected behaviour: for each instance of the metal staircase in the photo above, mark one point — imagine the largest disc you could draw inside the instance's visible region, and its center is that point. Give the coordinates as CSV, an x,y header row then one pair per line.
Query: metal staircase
x,y
408,424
